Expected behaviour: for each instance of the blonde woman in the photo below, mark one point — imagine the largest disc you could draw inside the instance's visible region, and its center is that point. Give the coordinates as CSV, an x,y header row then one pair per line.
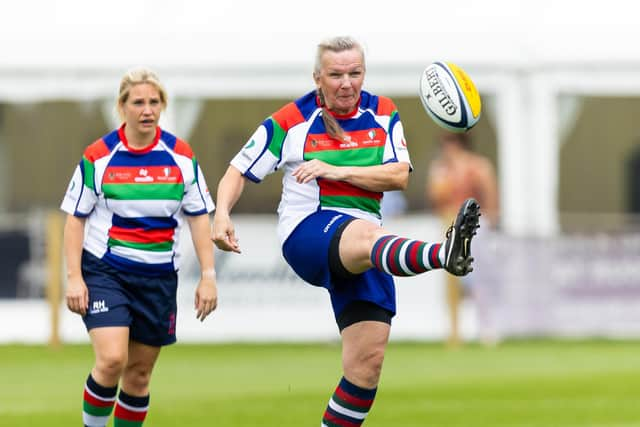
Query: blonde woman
x,y
131,193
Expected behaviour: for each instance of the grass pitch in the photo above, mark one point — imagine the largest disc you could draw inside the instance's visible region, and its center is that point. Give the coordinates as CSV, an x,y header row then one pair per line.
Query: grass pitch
x,y
517,384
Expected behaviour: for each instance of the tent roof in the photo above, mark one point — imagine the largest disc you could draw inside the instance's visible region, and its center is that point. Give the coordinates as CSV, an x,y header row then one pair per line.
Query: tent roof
x,y
75,34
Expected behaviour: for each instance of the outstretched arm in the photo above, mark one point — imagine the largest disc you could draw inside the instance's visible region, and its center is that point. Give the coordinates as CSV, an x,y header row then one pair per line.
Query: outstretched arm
x,y
229,191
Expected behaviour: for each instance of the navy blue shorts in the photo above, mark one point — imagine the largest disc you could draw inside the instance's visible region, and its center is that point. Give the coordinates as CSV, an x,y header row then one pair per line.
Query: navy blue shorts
x,y
307,252
147,305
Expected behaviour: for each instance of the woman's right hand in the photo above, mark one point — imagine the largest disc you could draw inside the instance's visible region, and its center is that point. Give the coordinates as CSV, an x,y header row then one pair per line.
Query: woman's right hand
x,y
223,234
77,295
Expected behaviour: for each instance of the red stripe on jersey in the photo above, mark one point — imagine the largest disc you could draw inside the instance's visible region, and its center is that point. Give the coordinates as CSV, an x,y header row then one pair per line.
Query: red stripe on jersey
x,y
340,188
183,148
96,150
125,414
356,401
140,235
386,107
288,116
97,402
352,140
134,175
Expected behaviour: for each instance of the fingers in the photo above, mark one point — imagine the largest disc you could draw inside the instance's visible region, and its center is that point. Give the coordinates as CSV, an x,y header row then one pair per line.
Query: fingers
x,y
227,242
307,172
78,303
204,308
302,175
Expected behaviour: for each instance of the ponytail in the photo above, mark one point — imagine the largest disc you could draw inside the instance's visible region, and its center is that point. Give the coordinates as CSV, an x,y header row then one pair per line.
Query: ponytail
x,y
331,125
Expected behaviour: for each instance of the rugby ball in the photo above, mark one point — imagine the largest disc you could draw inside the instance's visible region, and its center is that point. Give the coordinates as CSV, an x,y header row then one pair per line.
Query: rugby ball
x,y
450,96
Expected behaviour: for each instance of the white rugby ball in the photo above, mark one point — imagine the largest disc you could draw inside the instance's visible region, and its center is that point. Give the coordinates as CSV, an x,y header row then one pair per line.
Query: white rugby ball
x,y
450,96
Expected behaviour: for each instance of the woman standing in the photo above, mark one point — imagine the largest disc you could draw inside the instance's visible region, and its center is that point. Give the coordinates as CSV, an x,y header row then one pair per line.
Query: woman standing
x,y
131,192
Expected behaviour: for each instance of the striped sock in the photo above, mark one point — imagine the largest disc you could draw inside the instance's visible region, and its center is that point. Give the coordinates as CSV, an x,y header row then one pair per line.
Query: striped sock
x,y
130,410
97,403
405,257
348,406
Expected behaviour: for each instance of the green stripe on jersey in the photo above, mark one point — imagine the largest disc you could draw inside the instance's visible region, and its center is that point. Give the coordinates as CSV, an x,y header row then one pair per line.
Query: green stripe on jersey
x,y
354,157
275,145
152,247
96,411
89,173
143,191
362,203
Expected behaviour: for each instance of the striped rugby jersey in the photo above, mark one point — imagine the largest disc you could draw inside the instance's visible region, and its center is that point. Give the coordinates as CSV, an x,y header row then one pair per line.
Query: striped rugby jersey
x,y
135,200
296,133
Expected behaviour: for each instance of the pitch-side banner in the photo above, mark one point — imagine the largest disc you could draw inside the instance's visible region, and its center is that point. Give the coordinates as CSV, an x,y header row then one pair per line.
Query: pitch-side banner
x,y
570,286
261,298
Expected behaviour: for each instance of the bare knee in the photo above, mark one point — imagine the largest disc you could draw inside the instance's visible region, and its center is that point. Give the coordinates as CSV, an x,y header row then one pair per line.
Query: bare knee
x,y
136,378
110,365
364,367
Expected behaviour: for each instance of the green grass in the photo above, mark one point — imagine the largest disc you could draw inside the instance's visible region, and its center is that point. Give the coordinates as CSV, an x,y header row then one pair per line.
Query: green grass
x,y
517,384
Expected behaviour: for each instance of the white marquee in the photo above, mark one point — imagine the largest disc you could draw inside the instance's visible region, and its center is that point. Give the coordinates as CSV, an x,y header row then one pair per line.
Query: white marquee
x,y
525,53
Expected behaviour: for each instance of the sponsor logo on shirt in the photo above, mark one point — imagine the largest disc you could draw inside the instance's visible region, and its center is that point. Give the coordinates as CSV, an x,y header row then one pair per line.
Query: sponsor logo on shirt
x,y
143,176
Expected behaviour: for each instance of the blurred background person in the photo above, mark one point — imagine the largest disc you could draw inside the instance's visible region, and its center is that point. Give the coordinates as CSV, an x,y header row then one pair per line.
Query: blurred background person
x,y
633,182
454,175
133,189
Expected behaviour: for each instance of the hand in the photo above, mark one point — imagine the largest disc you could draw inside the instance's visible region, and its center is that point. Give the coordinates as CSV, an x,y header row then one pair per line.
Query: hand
x,y
223,234
206,299
77,295
308,171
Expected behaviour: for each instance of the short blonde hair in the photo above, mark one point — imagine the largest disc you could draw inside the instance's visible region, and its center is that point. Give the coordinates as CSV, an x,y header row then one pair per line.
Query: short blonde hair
x,y
336,44
138,76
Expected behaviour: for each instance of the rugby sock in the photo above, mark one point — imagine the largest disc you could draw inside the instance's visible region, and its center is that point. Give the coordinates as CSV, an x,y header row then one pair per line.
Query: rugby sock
x,y
130,410
405,257
348,406
97,403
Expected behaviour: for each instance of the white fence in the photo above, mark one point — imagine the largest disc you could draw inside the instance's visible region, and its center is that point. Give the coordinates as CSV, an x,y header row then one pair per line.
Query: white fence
x,y
565,286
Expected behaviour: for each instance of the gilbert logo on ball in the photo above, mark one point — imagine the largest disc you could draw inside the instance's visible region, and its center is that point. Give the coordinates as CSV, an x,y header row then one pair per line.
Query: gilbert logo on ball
x,y
450,96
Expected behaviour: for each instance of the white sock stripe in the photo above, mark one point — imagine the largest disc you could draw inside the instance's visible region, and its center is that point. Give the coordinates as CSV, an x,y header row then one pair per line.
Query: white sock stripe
x,y
93,421
441,255
102,398
426,259
402,257
348,412
133,408
385,253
